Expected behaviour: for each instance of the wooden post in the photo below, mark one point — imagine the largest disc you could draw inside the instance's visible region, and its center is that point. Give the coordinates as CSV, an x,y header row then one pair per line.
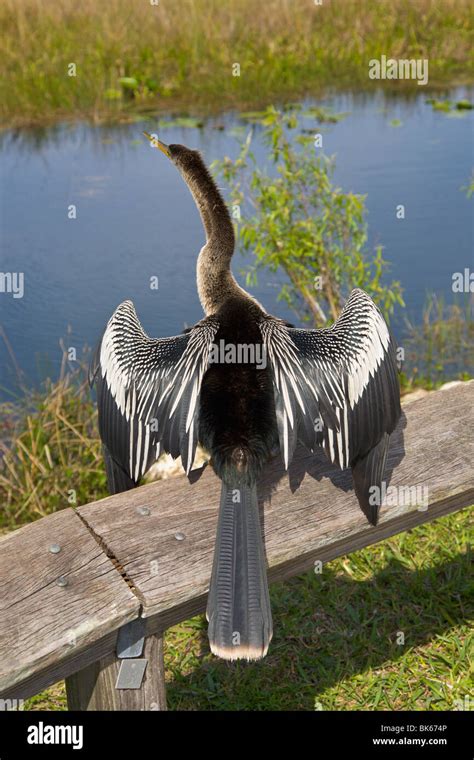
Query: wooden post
x,y
93,688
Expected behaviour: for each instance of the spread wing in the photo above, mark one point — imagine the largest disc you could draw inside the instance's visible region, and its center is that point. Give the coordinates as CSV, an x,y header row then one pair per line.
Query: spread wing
x,y
148,390
338,388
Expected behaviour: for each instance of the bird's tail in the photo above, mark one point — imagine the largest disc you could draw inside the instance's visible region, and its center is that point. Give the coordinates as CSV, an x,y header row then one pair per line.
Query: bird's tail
x,y
238,607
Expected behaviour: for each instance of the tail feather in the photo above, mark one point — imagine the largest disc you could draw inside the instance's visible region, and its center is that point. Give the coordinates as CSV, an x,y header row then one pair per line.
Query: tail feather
x,y
238,608
367,475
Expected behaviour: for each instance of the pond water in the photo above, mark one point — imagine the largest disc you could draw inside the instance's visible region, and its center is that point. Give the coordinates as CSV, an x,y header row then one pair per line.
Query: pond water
x,y
136,219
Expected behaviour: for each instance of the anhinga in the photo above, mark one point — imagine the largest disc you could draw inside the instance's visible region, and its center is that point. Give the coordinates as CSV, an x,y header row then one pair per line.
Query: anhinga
x,y
334,388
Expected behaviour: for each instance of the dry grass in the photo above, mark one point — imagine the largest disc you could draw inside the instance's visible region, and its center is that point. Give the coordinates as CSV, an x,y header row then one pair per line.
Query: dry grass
x,y
50,452
182,51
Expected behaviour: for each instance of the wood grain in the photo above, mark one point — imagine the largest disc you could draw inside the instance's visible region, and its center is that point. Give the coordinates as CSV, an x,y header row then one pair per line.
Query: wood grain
x,y
94,687
45,628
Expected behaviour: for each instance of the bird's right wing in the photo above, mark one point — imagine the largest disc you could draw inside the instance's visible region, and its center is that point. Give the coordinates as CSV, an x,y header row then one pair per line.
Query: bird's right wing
x,y
148,390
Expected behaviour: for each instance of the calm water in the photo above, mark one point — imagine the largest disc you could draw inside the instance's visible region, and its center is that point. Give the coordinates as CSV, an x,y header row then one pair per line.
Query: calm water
x,y
136,219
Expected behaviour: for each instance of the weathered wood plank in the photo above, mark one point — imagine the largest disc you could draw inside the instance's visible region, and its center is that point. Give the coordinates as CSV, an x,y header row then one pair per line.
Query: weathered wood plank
x,y
48,630
37,681
94,687
312,514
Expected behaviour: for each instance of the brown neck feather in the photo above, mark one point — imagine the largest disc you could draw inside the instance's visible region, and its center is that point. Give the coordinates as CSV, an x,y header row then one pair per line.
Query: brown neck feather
x,y
215,281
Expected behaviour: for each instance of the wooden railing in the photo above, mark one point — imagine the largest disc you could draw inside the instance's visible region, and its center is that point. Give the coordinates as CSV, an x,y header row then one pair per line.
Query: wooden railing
x,y
72,583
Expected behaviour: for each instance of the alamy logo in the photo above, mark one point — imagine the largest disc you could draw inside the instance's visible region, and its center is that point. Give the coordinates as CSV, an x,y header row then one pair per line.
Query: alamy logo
x,y
11,704
399,496
12,282
240,353
46,734
463,282
402,68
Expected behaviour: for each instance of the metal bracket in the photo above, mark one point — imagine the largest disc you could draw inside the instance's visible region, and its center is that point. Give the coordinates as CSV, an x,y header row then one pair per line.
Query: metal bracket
x,y
131,639
131,672
130,643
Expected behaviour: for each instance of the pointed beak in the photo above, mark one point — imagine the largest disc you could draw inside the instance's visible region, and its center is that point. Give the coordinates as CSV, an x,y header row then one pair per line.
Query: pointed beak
x,y
158,144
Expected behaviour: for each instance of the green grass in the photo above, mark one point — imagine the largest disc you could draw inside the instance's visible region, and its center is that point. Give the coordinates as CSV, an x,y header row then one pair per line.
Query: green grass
x,y
133,56
335,643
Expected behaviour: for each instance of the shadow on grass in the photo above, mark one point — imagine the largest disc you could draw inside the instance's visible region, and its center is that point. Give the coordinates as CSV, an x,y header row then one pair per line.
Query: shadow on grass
x,y
327,628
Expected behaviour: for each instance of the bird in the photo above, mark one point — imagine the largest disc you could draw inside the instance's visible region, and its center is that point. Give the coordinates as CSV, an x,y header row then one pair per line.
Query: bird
x,y
334,389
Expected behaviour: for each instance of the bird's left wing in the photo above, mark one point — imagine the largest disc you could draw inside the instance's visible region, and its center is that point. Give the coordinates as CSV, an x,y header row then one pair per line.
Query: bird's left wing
x,y
337,388
148,390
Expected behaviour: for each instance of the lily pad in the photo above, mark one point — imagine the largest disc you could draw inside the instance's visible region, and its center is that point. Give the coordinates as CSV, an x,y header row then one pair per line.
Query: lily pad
x,y
324,115
464,105
439,105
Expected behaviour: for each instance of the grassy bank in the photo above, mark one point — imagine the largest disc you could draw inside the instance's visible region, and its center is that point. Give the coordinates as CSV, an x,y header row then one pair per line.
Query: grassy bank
x,y
131,56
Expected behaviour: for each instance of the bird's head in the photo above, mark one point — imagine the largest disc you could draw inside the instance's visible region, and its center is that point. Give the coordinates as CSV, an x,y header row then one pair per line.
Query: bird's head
x,y
184,158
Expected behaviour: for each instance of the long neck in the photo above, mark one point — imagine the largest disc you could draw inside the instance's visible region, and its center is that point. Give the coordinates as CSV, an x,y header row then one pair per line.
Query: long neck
x,y
214,279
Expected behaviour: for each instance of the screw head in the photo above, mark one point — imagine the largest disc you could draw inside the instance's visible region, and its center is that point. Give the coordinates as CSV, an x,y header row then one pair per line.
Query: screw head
x,y
143,511
54,548
179,536
62,581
